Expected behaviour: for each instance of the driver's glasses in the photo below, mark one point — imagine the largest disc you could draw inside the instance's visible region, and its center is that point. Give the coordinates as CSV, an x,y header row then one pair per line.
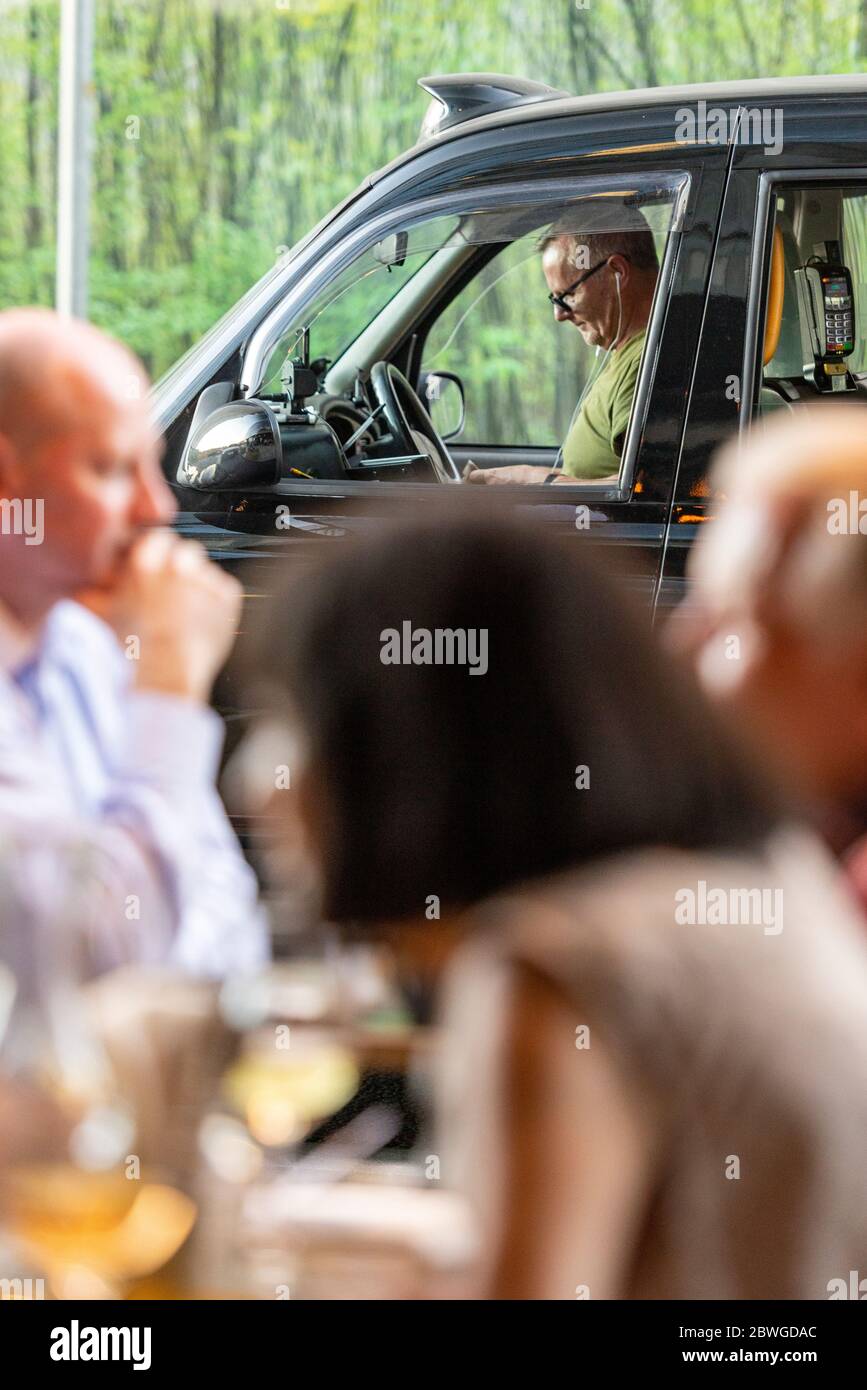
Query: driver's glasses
x,y
562,301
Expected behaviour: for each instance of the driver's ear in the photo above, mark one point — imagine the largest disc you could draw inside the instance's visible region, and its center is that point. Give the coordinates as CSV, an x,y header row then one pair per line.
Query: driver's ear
x,y
620,268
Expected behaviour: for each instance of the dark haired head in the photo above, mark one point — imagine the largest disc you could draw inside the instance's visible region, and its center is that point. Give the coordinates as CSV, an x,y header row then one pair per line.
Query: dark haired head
x,y
436,781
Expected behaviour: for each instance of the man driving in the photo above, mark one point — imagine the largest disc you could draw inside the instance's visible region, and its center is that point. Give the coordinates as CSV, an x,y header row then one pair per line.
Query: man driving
x,y
602,281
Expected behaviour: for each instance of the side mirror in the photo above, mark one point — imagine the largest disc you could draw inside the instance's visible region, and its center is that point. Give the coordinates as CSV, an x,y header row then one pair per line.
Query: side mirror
x,y
236,446
443,394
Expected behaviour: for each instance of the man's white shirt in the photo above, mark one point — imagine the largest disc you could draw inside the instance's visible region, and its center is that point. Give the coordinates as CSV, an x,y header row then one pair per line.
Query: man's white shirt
x,y
109,817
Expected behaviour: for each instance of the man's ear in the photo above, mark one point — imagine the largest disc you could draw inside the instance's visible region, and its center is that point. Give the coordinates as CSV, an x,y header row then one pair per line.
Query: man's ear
x,y
619,267
10,469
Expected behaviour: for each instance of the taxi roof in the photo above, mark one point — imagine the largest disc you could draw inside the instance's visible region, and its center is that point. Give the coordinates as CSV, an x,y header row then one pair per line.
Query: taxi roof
x,y
744,91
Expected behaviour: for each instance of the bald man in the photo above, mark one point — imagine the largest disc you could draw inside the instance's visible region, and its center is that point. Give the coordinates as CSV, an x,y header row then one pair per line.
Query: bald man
x,y
112,631
777,617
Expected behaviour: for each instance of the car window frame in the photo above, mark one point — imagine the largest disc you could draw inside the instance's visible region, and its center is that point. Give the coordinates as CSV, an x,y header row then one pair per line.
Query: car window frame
x,y
680,179
760,269
643,385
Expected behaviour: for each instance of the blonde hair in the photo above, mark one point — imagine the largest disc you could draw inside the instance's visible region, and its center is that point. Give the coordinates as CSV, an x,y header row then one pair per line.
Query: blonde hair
x,y
776,542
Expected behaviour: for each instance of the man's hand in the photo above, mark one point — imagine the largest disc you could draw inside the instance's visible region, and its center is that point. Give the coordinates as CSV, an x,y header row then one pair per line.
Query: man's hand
x,y
183,610
514,473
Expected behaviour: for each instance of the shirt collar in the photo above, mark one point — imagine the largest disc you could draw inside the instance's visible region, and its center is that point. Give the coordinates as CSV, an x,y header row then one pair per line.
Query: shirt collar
x,y
17,644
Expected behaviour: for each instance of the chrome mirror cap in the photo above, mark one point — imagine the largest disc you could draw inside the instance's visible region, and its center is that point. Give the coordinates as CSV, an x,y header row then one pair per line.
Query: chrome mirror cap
x,y
236,446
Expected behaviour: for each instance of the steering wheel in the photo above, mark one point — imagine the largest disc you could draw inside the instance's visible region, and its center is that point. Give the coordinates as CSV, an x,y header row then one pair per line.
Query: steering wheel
x,y
409,422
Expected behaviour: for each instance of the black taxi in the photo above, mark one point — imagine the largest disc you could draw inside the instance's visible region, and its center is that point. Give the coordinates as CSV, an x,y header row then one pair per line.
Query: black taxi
x,y
410,333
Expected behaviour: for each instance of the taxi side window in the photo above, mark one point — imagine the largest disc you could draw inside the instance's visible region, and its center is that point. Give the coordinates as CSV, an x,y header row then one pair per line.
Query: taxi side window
x,y
500,337
523,373
855,257
824,226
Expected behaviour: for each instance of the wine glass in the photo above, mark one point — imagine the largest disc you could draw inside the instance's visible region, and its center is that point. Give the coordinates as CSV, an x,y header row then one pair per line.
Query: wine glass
x,y
73,1198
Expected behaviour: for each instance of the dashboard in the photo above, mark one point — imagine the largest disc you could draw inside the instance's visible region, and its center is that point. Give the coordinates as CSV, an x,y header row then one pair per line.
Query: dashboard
x,y
338,437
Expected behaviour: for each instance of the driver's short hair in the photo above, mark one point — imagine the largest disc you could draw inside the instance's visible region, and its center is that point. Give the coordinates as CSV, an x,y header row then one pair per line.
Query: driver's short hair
x,y
632,239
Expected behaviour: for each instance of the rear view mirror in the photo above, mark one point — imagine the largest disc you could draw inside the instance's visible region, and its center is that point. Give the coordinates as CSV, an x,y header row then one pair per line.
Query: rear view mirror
x,y
391,251
236,446
443,395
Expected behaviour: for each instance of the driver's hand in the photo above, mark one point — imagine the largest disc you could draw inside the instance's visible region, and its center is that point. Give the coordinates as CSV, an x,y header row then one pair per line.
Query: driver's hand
x,y
513,473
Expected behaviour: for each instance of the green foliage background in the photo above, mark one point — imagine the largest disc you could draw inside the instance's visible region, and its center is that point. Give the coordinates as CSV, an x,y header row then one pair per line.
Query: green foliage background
x,y
226,128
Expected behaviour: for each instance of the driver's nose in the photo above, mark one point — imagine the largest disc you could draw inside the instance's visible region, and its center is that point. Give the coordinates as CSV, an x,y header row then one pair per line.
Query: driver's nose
x,y
561,314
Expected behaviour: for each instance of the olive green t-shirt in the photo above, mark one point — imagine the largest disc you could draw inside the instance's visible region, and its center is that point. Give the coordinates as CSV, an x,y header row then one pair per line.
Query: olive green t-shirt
x,y
589,450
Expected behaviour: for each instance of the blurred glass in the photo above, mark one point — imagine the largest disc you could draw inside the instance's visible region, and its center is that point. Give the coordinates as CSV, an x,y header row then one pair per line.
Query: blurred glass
x,y
283,1093
292,1070
75,1206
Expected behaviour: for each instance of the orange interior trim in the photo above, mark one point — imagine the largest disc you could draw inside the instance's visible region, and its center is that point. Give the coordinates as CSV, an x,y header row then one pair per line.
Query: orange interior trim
x,y
775,298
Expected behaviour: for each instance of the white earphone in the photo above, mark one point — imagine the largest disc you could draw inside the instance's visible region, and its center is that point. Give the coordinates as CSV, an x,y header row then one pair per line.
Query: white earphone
x,y
593,375
619,305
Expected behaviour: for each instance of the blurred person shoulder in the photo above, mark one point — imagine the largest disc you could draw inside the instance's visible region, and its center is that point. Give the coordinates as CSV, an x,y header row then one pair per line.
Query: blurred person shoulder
x,y
597,1046
677,929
